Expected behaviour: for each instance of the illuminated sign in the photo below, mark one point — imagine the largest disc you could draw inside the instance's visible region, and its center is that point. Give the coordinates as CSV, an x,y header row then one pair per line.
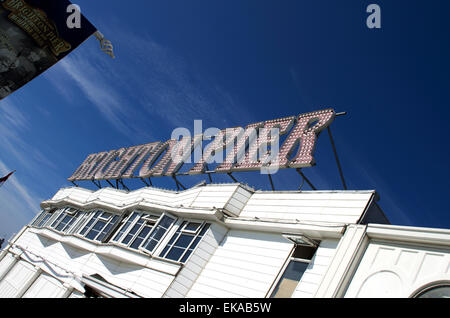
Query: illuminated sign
x,y
255,147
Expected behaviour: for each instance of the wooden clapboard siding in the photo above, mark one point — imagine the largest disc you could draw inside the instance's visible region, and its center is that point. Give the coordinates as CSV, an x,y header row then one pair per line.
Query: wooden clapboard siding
x,y
316,270
16,279
45,286
342,207
198,260
5,263
244,265
238,200
232,196
316,206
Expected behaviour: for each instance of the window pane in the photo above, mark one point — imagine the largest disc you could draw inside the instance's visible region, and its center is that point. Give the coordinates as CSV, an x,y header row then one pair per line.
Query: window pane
x,y
106,230
165,250
184,240
44,220
436,292
175,253
63,223
194,244
192,227
96,229
58,219
92,234
80,221
290,279
181,242
38,218
71,222
158,233
133,231
166,222
105,216
91,221
125,226
141,236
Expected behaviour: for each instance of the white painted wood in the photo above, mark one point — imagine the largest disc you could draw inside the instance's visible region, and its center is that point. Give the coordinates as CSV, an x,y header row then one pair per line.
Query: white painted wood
x,y
391,270
6,264
341,265
244,265
315,273
308,206
16,279
143,281
45,286
195,264
76,294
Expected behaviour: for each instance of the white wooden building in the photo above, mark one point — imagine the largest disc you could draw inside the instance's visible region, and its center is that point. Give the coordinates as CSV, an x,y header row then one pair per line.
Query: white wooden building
x,y
221,240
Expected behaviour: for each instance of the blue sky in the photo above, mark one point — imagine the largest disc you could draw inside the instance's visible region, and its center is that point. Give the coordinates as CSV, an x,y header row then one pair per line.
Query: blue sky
x,y
231,63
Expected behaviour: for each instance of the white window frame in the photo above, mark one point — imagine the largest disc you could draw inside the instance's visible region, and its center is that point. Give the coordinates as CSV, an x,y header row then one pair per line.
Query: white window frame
x,y
183,231
146,216
67,211
80,222
40,217
99,218
141,215
53,218
286,264
142,248
123,223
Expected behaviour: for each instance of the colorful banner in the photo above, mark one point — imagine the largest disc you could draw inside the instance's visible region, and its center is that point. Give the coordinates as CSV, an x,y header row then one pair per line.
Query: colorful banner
x,y
34,35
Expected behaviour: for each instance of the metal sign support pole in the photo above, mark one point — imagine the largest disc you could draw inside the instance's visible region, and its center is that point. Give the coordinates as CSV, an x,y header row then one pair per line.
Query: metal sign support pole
x,y
231,176
306,179
143,180
123,185
99,185
112,185
178,183
271,182
209,175
337,158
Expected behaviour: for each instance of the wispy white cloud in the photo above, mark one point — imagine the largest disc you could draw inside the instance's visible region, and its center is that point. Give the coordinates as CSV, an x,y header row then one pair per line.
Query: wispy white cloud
x,y
18,200
18,203
22,192
151,84
13,123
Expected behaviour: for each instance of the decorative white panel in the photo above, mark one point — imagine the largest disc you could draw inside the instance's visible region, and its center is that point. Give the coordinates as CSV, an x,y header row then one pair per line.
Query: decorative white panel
x,y
16,279
396,270
5,263
45,286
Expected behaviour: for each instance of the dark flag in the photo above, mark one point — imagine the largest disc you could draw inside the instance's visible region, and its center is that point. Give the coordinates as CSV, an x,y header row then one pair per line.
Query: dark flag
x,y
36,34
3,180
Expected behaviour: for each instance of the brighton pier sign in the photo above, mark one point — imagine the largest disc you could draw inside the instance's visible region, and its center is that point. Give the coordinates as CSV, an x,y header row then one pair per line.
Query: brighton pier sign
x,y
253,148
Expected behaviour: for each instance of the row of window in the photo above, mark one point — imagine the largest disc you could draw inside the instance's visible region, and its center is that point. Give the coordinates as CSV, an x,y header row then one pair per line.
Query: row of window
x,y
138,230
